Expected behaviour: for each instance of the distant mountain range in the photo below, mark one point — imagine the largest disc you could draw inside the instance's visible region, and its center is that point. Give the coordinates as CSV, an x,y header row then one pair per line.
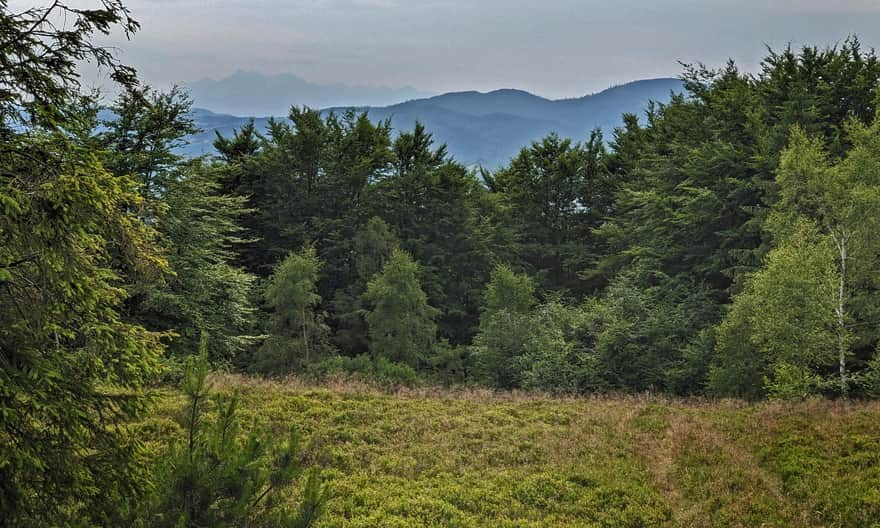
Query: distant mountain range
x,y
257,94
483,128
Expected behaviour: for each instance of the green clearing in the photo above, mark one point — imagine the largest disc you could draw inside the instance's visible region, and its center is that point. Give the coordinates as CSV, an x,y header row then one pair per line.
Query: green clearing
x,y
465,458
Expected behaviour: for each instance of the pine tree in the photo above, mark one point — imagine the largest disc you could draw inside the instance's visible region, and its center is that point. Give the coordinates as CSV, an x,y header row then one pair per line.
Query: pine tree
x,y
214,477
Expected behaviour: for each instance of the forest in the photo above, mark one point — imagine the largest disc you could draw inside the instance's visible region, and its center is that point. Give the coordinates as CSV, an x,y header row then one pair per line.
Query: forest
x,y
723,245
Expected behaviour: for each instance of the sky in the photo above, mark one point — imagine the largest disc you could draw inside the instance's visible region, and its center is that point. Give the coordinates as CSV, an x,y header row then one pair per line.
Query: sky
x,y
555,48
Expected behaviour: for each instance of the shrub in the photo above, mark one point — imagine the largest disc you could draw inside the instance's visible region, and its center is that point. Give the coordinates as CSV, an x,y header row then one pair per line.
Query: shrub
x,y
381,370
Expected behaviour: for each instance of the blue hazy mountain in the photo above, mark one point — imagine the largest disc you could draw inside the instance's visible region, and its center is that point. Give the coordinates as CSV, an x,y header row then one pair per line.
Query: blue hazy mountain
x,y
486,128
250,93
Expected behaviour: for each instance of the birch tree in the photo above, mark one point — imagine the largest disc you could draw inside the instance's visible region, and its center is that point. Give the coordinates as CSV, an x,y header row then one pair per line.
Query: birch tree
x,y
843,200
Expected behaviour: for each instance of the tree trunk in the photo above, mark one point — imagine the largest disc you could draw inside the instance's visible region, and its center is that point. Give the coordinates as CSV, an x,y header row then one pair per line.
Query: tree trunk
x,y
305,334
841,241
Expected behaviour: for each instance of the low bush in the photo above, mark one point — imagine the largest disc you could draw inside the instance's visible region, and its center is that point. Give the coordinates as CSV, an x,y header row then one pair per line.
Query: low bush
x,y
380,371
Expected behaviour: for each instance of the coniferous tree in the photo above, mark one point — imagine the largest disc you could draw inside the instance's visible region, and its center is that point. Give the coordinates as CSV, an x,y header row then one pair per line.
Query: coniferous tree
x,y
72,369
200,229
435,207
558,193
298,333
141,137
213,477
639,329
400,320
372,245
199,226
244,142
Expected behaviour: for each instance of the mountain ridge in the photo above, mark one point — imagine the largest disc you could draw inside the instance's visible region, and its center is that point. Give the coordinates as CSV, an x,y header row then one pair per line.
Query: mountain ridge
x,y
484,128
233,94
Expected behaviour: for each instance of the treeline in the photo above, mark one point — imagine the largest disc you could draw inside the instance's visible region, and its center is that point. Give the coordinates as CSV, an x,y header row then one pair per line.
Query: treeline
x,y
725,245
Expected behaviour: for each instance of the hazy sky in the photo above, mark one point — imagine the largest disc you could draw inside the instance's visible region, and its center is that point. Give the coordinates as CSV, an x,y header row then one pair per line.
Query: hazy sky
x,y
555,48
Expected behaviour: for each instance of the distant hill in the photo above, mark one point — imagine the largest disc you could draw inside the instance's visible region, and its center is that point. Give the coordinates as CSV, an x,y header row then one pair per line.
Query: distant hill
x,y
487,128
250,93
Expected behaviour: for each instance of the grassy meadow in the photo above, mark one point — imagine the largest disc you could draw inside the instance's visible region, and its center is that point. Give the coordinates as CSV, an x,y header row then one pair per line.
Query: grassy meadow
x,y
467,458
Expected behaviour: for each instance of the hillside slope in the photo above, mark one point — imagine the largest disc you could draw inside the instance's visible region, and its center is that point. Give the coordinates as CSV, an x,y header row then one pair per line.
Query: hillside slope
x,y
477,458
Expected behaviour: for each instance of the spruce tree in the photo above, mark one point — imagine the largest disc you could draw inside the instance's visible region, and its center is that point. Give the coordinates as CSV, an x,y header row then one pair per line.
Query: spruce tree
x,y
72,368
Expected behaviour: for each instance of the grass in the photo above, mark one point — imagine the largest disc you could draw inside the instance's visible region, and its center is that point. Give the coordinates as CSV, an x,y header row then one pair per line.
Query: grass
x,y
467,458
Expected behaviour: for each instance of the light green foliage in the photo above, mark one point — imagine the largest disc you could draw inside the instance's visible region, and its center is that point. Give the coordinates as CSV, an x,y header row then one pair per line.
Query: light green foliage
x,y
380,371
510,291
206,289
298,333
525,345
505,327
217,476
783,321
554,359
373,245
401,323
72,368
790,382
809,306
871,378
698,175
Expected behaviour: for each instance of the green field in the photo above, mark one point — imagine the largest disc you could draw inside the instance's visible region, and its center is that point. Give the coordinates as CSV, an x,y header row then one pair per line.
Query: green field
x,y
433,457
